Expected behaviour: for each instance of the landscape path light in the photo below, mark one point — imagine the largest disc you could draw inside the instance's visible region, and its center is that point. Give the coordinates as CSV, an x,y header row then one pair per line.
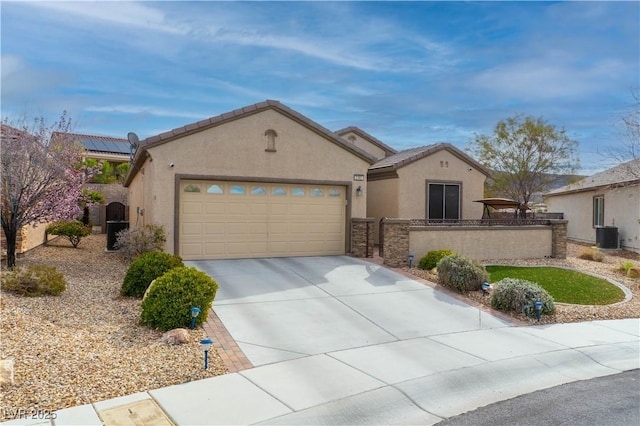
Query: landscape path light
x,y
205,344
194,314
538,307
411,257
485,288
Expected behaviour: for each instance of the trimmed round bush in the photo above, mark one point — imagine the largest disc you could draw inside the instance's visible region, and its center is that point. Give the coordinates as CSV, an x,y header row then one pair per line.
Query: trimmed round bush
x,y
461,274
146,268
35,280
511,294
431,259
72,230
170,299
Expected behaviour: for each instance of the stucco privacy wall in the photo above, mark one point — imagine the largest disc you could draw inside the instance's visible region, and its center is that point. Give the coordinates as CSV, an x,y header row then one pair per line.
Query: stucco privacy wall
x,y
484,242
621,209
441,166
236,149
28,237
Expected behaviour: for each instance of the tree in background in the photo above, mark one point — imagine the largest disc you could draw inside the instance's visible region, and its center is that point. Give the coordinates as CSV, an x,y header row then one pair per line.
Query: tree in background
x,y
628,151
41,178
89,197
525,154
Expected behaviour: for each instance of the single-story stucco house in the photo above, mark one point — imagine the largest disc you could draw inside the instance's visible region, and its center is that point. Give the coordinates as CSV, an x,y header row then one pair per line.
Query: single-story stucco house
x,y
607,199
264,181
259,181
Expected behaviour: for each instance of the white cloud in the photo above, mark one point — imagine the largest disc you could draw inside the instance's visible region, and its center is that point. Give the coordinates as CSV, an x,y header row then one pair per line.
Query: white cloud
x,y
116,13
147,110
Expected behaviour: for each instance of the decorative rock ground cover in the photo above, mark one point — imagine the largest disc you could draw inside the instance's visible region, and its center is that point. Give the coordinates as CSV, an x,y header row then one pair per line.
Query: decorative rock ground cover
x,y
86,344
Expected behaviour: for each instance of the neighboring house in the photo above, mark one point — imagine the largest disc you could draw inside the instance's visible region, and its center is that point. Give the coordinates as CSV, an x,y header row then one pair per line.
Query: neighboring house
x,y
260,181
432,182
607,199
365,141
116,151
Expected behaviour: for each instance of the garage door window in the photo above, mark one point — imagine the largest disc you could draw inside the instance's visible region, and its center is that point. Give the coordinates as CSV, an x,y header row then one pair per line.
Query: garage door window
x,y
278,190
215,189
258,190
297,192
334,193
192,187
317,192
237,190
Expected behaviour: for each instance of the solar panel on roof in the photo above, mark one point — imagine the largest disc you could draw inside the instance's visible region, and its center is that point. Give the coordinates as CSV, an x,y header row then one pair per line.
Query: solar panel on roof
x,y
98,145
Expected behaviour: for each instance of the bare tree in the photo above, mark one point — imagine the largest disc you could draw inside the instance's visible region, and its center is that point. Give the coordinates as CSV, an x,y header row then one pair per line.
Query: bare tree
x,y
41,178
526,155
627,151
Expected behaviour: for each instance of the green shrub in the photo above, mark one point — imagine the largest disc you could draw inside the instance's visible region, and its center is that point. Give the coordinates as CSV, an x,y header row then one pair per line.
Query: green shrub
x,y
33,281
512,294
461,274
431,259
131,243
72,230
146,268
171,297
592,253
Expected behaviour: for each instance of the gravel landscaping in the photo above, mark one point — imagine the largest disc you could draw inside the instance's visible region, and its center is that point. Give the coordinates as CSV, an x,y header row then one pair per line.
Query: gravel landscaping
x,y
608,268
86,344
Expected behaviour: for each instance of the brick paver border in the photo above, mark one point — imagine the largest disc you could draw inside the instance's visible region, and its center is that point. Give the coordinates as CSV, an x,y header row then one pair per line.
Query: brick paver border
x,y
233,357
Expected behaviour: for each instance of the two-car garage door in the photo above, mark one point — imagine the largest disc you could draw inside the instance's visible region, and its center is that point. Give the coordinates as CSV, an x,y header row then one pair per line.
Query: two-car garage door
x,y
226,219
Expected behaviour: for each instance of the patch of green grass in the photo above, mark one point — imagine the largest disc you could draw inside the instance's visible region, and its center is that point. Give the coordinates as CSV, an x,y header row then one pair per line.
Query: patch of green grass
x,y
566,286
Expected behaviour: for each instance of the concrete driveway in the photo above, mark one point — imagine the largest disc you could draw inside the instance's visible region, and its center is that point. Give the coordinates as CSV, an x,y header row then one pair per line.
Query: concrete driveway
x,y
336,340
284,308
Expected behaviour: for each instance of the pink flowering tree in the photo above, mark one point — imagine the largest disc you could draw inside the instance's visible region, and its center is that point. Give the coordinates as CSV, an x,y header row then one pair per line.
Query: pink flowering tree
x,y
42,176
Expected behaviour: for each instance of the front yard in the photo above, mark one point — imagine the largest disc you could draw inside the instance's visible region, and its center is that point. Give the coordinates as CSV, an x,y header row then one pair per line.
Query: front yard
x,y
86,344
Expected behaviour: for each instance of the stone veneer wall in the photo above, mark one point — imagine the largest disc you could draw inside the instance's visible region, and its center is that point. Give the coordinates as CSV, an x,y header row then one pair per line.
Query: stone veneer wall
x,y
559,239
362,237
396,242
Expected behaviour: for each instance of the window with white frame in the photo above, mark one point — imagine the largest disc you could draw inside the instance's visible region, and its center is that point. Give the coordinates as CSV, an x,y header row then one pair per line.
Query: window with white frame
x,y
598,210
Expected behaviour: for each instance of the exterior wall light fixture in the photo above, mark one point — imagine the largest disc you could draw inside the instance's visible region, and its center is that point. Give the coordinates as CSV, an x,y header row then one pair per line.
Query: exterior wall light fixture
x,y
359,191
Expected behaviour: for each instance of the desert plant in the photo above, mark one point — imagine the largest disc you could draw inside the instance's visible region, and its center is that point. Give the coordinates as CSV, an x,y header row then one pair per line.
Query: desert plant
x,y
131,243
169,300
512,294
146,268
35,280
592,253
625,266
431,259
461,274
72,230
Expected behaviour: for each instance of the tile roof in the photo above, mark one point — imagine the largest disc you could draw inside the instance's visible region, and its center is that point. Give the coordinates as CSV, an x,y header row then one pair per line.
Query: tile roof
x,y
408,156
624,173
239,113
367,136
93,143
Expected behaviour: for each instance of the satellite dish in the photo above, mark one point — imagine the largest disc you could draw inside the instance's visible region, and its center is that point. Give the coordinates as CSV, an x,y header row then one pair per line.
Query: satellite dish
x,y
133,139
133,145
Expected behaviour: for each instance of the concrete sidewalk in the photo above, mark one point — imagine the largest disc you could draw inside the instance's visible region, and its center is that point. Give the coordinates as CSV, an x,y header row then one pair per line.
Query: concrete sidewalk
x,y
342,341
416,381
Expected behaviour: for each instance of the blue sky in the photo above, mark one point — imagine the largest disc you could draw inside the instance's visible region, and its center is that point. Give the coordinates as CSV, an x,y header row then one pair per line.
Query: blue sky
x,y
409,73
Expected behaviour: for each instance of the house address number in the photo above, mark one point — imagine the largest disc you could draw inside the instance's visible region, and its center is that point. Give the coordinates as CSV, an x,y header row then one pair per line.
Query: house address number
x,y
358,177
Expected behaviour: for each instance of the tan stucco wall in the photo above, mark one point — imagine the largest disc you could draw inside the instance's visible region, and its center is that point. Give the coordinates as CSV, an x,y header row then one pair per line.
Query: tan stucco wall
x,y
621,209
33,237
237,149
445,167
364,144
484,243
382,201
